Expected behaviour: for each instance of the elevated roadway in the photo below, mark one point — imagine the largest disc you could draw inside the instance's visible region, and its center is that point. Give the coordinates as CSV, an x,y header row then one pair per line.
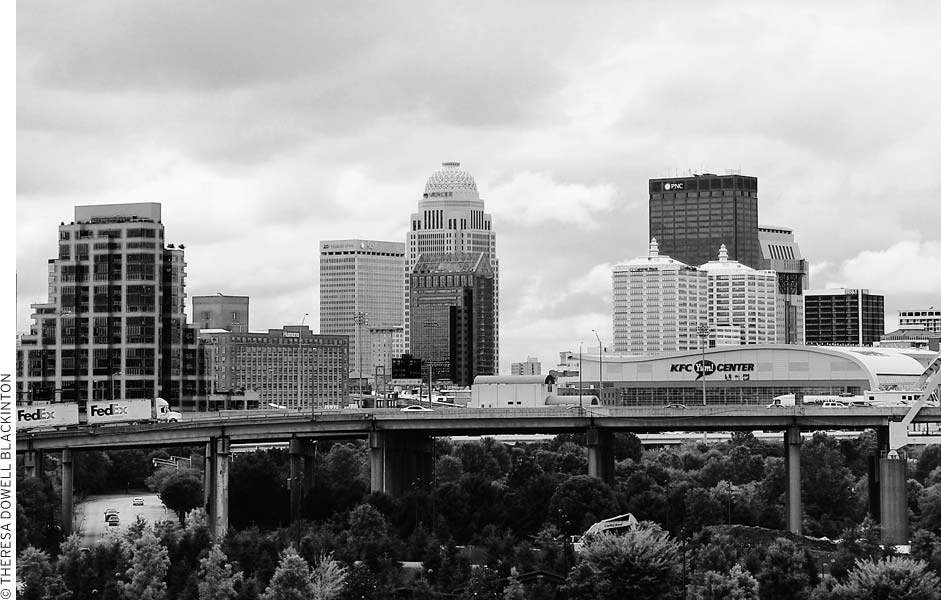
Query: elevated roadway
x,y
283,426
401,443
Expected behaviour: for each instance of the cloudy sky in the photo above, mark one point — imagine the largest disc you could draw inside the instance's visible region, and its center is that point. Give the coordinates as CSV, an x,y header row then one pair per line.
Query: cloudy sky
x,y
264,127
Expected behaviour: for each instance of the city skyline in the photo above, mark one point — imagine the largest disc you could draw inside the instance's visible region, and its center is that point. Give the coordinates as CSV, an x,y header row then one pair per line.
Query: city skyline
x,y
258,148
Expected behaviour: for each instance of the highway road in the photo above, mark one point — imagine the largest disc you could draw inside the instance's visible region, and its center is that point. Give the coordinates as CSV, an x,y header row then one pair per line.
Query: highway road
x,y
89,516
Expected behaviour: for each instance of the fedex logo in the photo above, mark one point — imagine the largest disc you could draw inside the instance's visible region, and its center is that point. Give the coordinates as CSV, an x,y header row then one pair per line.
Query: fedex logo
x,y
40,414
110,411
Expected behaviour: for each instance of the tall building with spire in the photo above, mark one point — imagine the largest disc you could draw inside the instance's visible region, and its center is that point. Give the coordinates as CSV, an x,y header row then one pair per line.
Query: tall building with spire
x,y
451,220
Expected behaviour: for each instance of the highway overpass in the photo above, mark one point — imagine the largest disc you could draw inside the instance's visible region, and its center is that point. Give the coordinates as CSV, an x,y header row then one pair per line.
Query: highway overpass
x,y
401,443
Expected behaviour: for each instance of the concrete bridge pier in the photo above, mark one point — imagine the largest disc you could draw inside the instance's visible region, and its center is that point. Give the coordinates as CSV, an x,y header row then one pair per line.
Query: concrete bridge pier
x,y
888,492
893,500
207,477
792,468
67,504
220,456
302,473
600,454
32,463
400,461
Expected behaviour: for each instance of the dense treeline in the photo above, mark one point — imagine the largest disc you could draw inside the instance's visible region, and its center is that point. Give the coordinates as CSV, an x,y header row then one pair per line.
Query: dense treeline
x,y
509,510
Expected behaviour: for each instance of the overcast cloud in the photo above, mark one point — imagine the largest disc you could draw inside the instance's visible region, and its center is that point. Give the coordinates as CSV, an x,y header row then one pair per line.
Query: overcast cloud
x,y
264,127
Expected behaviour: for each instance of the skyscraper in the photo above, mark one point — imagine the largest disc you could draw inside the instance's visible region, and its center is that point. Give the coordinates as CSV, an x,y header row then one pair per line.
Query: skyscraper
x,y
782,255
658,304
221,312
360,290
451,219
843,317
114,325
692,216
452,309
742,302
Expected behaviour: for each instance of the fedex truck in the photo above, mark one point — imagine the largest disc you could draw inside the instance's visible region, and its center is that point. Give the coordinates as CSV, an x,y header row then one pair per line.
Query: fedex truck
x,y
99,412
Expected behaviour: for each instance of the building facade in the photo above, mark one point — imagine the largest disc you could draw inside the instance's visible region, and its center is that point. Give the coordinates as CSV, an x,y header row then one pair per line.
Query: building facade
x,y
114,325
742,303
843,317
532,366
289,367
928,318
750,374
692,216
452,307
360,290
386,345
658,304
221,312
451,219
781,254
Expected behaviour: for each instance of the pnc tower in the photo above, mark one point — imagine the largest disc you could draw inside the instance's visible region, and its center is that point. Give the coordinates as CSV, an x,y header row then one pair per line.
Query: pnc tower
x,y
451,220
691,217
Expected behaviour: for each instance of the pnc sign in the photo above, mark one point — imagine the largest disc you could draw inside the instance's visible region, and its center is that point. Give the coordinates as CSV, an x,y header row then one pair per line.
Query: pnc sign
x,y
675,185
704,368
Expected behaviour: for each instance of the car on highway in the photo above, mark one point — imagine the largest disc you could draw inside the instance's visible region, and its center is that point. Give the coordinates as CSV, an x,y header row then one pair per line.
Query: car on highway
x,y
110,512
138,502
416,408
834,404
114,521
673,406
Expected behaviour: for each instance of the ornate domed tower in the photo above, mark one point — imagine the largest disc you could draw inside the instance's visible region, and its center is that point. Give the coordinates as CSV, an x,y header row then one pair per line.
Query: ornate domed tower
x,y
451,219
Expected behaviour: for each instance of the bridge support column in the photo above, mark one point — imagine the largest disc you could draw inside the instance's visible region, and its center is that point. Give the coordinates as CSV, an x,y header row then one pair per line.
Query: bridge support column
x,y
600,454
400,461
882,448
67,505
219,490
30,459
302,473
893,500
208,478
792,467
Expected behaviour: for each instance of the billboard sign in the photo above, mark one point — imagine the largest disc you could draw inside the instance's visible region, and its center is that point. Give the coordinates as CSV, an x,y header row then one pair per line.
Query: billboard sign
x,y
47,415
116,411
406,368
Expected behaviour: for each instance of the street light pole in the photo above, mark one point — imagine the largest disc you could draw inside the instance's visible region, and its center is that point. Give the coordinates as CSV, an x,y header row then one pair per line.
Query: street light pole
x,y
299,361
600,366
360,319
580,375
703,331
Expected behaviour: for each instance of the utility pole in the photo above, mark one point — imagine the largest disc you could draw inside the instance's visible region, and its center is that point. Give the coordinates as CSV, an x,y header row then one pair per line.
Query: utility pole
x,y
600,366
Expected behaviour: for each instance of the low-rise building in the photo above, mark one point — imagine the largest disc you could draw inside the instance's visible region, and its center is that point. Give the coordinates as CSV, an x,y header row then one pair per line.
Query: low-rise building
x,y
289,367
